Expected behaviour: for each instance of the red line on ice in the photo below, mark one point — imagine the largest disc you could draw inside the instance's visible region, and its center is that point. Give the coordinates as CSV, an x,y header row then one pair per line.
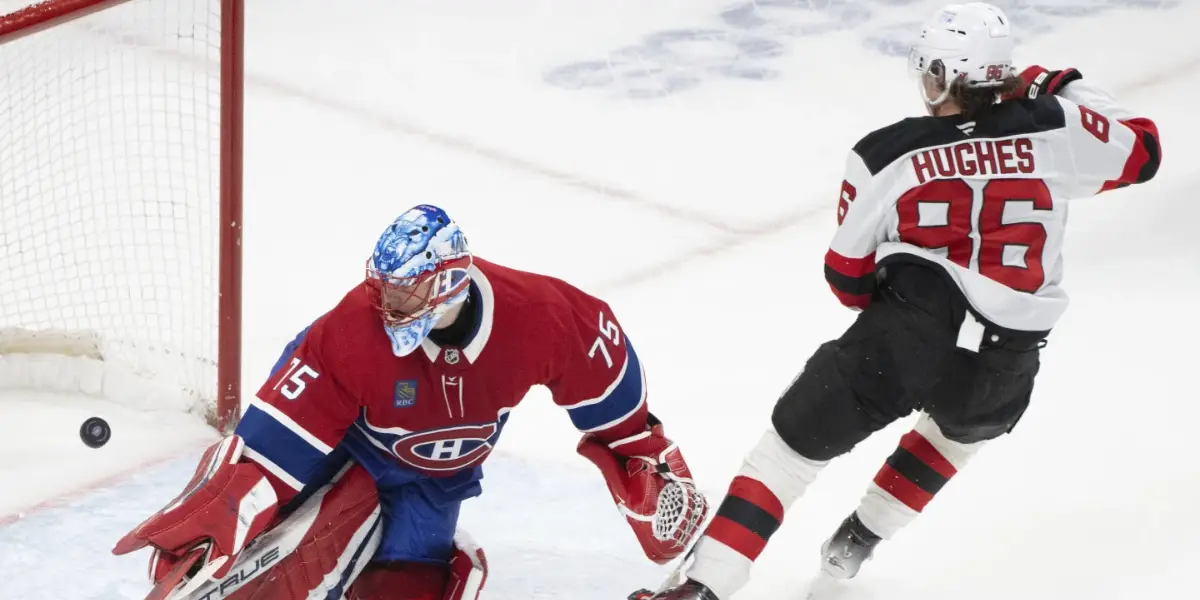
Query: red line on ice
x,y
69,496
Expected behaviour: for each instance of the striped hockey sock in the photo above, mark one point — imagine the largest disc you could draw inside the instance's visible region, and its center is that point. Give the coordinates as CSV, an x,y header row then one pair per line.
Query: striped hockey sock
x,y
922,464
772,477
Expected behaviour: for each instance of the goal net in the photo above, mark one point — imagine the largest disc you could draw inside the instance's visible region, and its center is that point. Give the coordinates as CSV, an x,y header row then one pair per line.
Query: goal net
x,y
119,200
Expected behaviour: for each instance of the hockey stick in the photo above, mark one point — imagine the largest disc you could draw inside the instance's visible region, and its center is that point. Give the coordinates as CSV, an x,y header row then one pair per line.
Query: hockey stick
x,y
676,577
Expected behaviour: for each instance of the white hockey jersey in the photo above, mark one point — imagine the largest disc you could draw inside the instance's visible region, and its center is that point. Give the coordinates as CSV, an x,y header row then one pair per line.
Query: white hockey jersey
x,y
986,201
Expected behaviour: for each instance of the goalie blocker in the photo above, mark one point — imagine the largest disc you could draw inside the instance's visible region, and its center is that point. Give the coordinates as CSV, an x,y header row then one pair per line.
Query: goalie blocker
x,y
321,549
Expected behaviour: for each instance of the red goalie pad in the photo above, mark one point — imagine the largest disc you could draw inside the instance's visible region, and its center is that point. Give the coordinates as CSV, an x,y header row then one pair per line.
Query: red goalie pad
x,y
315,552
463,580
225,506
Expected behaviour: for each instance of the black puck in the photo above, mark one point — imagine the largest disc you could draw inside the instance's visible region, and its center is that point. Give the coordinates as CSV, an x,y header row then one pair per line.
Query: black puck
x,y
95,432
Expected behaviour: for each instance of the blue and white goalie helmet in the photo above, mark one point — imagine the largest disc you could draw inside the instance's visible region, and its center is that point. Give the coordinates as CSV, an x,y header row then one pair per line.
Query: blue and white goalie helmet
x,y
419,270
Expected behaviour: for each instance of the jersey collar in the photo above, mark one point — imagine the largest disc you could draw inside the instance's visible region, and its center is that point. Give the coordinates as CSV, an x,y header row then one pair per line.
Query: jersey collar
x,y
483,331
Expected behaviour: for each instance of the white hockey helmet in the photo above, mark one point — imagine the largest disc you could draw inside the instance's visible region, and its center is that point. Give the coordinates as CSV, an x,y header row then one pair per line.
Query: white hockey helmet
x,y
972,42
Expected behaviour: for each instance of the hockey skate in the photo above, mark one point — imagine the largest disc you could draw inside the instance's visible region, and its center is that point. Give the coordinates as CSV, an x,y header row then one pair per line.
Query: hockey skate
x,y
688,590
843,554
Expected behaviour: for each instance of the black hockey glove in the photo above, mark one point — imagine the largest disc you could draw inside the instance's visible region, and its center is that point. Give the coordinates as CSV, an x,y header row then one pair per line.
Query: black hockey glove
x,y
1040,82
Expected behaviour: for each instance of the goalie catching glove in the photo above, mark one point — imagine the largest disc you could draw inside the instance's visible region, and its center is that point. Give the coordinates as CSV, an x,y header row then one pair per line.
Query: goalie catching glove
x,y
652,487
198,535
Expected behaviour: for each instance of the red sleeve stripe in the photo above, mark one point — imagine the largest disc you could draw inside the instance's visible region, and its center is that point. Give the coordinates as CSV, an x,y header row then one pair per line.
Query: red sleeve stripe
x,y
851,300
850,267
852,279
1142,164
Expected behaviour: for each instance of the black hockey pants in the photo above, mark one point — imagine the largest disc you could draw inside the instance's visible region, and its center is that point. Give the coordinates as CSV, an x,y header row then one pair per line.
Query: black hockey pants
x,y
903,354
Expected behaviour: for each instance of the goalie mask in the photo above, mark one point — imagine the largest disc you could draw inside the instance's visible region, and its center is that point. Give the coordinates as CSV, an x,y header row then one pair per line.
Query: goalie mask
x,y
417,273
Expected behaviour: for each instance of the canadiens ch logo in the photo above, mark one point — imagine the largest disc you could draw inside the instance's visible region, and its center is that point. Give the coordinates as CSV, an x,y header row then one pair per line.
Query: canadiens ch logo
x,y
449,449
405,394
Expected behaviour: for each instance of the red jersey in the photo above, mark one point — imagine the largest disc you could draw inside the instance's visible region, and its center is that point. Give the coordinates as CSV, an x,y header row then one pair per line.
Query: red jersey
x,y
438,412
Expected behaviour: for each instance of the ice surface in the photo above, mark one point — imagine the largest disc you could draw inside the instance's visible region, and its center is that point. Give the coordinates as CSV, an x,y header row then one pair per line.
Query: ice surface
x,y
694,189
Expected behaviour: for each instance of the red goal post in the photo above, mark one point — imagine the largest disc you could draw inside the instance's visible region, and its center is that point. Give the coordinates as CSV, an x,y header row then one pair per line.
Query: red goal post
x,y
121,201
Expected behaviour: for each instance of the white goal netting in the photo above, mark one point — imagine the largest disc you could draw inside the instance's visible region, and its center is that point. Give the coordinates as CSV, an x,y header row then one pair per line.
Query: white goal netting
x,y
109,200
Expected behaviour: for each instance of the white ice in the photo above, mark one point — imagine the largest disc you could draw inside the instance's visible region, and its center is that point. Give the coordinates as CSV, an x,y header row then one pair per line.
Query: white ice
x,y
702,216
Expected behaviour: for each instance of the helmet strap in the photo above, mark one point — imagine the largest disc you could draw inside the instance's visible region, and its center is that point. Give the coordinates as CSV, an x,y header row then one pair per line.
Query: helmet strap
x,y
931,103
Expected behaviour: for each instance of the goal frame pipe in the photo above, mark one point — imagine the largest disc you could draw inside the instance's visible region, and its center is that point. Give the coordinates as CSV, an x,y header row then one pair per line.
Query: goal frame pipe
x,y
44,15
229,330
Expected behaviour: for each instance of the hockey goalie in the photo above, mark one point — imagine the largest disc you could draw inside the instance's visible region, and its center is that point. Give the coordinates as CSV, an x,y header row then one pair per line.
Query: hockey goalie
x,y
345,476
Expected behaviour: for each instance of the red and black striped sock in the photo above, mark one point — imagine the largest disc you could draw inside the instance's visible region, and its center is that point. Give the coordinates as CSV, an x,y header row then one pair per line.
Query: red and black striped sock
x,y
915,472
772,477
747,517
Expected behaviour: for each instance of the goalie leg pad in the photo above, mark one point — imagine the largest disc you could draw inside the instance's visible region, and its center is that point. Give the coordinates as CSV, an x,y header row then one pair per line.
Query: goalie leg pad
x,y
400,581
226,504
317,551
468,569
461,579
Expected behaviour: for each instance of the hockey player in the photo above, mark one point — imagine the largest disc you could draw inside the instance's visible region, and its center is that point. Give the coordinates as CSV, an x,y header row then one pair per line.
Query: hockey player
x,y
949,243
345,475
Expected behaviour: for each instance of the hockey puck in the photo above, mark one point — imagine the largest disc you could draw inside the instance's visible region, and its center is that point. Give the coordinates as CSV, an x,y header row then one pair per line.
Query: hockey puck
x,y
95,432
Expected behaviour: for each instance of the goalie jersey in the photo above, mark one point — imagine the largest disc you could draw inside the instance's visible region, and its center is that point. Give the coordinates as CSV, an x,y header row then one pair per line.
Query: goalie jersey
x,y
986,202
435,415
